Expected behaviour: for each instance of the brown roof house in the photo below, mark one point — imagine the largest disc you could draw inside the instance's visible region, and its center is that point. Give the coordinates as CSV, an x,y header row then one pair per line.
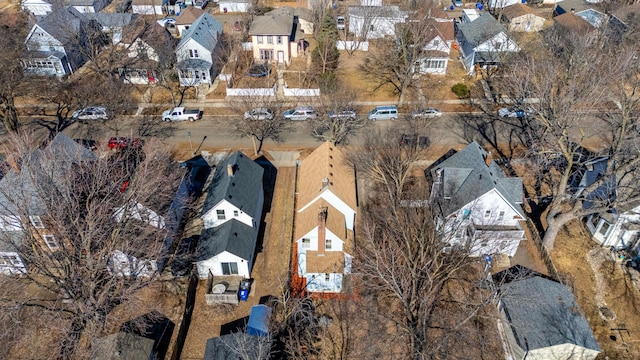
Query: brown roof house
x,y
523,18
325,214
186,18
438,38
149,48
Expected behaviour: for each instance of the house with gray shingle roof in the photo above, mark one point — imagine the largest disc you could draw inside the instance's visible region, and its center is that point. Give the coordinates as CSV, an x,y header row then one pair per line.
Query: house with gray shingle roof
x,y
278,35
231,215
479,208
541,319
44,7
55,43
483,42
195,53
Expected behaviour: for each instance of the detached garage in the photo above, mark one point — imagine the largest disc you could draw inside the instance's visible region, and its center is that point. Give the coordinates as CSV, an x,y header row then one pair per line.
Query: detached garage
x,y
235,6
147,7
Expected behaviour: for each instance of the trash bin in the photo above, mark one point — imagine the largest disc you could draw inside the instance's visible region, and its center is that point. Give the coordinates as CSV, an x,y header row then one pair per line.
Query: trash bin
x,y
243,294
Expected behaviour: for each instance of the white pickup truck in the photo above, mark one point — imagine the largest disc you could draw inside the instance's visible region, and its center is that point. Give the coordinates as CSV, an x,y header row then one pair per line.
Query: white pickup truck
x,y
182,114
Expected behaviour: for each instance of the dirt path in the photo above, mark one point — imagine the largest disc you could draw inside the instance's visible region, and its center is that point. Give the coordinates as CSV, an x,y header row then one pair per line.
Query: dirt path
x,y
269,271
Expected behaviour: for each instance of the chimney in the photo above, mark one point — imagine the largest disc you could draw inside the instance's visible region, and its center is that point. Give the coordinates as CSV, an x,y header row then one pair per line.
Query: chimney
x,y
229,170
325,183
488,158
322,230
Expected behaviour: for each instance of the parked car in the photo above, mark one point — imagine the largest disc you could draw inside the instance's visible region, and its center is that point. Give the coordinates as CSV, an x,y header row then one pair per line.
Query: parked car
x,y
344,114
123,142
259,114
200,4
181,114
427,113
341,23
458,3
91,113
238,25
512,112
167,22
389,112
300,113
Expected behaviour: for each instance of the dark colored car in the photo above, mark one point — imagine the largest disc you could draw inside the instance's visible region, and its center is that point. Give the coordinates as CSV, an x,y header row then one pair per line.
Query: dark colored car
x,y
415,140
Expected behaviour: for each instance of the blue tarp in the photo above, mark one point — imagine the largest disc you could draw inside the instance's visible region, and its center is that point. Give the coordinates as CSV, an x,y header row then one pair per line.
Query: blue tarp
x,y
259,320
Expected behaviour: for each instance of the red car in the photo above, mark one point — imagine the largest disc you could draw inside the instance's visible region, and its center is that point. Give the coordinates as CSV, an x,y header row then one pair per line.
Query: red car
x,y
122,143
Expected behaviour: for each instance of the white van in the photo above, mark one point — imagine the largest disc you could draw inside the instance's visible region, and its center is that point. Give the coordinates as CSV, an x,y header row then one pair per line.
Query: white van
x,y
389,112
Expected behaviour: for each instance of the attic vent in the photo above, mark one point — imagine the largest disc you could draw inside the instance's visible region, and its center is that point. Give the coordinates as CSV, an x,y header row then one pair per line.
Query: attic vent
x,y
233,184
330,149
330,165
235,234
331,157
230,196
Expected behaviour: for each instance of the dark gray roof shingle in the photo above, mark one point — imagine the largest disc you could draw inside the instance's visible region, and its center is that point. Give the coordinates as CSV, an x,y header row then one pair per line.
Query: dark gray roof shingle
x,y
273,23
241,189
466,177
204,31
481,29
237,346
544,313
232,236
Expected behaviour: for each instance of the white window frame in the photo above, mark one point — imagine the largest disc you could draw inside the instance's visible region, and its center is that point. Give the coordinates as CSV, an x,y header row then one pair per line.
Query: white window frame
x,y
230,266
221,214
305,243
193,53
260,39
487,214
236,213
327,244
279,39
51,241
36,222
269,39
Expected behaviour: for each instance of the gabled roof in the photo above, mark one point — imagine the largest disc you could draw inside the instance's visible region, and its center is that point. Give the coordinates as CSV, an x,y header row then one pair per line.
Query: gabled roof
x,y
204,31
279,23
149,31
326,169
298,12
232,236
240,189
571,21
484,28
467,176
62,23
110,20
307,220
543,313
444,30
189,15
237,346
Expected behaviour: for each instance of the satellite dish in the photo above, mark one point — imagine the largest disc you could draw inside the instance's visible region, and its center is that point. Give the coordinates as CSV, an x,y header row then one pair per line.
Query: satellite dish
x,y
218,289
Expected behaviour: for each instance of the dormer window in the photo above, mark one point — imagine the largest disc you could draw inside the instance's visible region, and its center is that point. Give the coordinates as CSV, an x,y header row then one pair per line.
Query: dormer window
x,y
36,222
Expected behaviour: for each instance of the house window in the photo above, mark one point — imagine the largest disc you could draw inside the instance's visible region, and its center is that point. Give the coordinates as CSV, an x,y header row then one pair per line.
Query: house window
x,y
236,213
327,277
371,27
36,222
498,45
327,244
260,39
279,40
193,53
604,229
466,213
501,216
487,213
221,215
269,39
306,243
229,268
51,241
436,42
10,260
266,54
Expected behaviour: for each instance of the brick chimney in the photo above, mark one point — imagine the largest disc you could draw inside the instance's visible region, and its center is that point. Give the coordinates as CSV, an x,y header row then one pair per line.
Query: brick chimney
x,y
488,158
230,170
322,230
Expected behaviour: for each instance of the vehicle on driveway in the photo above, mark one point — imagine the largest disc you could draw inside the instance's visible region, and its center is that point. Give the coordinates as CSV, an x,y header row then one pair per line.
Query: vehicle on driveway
x,y
344,114
300,113
341,23
182,114
428,113
91,113
420,141
259,114
167,22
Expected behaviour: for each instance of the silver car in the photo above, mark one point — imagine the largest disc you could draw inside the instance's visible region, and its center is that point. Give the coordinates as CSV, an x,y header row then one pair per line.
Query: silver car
x,y
300,113
259,114
427,113
91,113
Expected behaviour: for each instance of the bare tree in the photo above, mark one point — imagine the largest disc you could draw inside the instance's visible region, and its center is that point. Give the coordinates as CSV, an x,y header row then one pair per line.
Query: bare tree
x,y
74,214
578,117
337,118
260,128
12,34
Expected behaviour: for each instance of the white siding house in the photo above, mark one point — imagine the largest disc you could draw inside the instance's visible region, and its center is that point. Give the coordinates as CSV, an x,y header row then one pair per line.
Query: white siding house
x,y
477,205
231,214
194,52
374,22
324,224
483,42
37,7
439,38
235,6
